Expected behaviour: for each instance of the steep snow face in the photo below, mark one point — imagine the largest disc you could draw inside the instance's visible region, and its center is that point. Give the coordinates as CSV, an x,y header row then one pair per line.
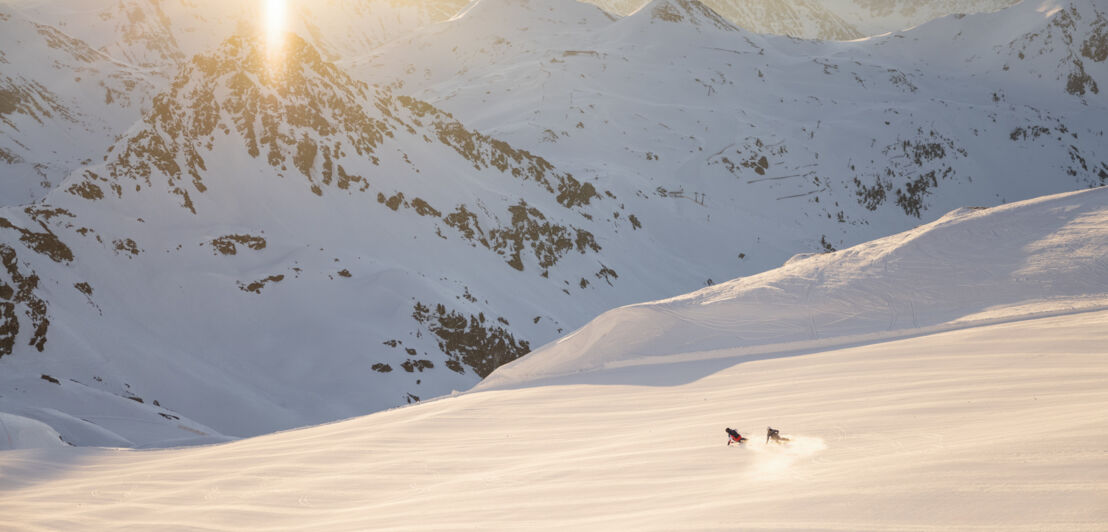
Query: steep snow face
x,y
1058,45
528,15
874,17
494,29
53,87
809,19
1077,36
682,11
344,29
484,38
153,35
973,264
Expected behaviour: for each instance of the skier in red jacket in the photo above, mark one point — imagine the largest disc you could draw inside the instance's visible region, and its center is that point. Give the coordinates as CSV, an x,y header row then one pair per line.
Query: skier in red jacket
x,y
733,436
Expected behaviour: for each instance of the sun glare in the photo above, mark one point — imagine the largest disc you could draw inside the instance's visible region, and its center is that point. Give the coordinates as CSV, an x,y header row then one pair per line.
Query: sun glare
x,y
276,20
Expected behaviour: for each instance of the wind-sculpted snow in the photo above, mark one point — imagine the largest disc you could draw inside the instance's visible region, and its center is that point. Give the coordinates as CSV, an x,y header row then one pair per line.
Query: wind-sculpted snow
x,y
996,427
968,264
17,432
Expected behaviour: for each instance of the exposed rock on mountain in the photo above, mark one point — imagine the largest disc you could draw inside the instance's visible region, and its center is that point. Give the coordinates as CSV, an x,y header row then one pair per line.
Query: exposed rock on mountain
x,y
55,87
243,146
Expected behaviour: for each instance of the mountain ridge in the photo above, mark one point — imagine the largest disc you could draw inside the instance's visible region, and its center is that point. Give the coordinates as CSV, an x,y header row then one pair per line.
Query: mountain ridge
x,y
887,288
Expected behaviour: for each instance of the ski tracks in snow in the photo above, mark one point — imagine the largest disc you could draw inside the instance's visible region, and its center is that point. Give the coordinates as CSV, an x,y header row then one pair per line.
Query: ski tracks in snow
x,y
772,461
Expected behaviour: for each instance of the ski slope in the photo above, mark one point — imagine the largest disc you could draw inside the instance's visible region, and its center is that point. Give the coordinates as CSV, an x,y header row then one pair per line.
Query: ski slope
x,y
1001,428
991,418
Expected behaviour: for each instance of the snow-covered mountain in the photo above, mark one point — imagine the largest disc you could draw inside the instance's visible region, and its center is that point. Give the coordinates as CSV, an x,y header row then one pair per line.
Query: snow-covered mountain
x,y
159,34
54,88
874,17
275,241
87,69
997,422
246,184
837,134
150,40
810,19
838,20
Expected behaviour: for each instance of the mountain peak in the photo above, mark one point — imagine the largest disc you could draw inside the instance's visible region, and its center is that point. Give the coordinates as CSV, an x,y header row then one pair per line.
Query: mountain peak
x,y
277,107
525,13
691,12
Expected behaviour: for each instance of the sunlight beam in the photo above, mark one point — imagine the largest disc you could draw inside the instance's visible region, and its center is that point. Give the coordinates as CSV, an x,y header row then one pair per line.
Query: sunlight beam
x,y
276,22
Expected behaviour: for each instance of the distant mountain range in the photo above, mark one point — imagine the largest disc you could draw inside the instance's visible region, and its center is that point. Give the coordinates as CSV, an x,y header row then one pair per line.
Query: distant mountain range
x,y
135,47
203,239
838,20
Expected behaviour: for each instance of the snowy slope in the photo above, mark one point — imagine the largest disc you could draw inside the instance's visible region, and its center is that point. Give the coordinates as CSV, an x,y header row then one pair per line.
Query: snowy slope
x,y
282,240
796,18
874,17
997,425
56,88
837,20
971,266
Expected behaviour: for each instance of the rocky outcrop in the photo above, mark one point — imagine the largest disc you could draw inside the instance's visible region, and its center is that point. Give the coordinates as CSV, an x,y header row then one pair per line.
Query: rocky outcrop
x,y
19,304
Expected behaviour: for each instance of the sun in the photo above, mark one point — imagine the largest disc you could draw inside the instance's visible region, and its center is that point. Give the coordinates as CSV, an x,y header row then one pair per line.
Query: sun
x,y
276,25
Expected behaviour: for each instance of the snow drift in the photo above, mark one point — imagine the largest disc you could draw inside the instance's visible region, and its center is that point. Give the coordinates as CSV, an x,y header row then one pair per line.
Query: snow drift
x,y
1049,254
18,432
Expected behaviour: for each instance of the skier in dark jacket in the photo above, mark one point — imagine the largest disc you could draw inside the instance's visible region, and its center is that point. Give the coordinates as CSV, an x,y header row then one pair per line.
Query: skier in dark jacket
x,y
733,436
775,435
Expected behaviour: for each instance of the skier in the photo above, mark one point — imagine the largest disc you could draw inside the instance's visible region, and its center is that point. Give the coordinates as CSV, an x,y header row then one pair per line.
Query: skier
x,y
775,435
733,436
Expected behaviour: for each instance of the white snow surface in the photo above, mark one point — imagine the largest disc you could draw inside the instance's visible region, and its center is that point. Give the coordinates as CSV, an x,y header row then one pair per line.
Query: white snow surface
x,y
18,432
995,425
710,152
837,20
